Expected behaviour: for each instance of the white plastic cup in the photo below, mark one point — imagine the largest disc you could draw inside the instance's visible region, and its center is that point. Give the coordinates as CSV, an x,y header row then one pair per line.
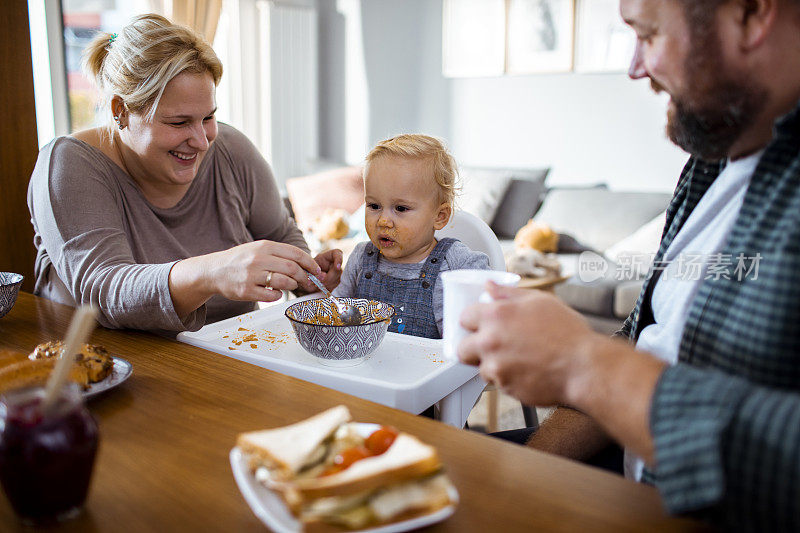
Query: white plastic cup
x,y
463,288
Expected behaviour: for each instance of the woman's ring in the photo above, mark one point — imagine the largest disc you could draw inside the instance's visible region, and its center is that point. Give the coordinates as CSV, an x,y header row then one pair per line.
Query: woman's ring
x,y
269,279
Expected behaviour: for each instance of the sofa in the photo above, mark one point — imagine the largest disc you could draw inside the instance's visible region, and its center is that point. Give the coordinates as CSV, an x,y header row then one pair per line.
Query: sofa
x,y
618,229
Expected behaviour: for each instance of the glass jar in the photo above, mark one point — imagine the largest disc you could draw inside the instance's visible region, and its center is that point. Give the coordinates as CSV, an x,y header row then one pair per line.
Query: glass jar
x,y
46,461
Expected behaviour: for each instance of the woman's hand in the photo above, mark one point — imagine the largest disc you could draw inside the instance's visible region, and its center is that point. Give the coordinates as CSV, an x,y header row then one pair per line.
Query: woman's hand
x,y
240,273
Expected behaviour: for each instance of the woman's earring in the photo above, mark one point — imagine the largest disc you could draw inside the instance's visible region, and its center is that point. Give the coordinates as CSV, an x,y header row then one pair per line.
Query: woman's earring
x,y
116,119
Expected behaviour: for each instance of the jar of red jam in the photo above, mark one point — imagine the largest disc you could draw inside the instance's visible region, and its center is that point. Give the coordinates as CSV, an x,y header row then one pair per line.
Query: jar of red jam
x,y
46,459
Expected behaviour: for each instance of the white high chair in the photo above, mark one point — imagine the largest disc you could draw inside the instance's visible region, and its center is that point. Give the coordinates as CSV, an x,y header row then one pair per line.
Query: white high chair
x,y
478,236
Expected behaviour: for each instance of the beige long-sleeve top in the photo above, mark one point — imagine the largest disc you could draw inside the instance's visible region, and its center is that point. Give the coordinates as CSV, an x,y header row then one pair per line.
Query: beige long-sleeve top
x,y
100,241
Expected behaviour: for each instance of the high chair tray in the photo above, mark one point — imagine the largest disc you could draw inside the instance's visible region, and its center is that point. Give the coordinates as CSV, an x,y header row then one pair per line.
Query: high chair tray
x,y
405,372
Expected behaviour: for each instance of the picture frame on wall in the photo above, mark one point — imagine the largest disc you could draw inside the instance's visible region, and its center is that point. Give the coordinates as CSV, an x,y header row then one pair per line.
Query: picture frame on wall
x,y
473,38
540,36
604,43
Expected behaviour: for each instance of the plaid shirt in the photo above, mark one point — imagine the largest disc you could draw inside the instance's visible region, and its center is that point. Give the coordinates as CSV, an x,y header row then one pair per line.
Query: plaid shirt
x,y
726,419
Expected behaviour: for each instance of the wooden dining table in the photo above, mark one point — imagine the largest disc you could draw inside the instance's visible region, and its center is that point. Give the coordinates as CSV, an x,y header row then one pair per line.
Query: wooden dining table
x,y
165,436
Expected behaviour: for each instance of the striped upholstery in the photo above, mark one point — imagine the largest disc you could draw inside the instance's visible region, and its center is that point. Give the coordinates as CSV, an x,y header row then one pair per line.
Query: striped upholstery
x,y
726,418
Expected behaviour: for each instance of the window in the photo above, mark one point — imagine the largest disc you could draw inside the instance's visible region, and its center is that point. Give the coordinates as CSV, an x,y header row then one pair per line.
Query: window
x,y
82,19
253,38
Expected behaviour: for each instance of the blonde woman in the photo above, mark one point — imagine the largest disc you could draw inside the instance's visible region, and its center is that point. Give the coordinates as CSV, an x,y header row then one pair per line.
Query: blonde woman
x,y
164,219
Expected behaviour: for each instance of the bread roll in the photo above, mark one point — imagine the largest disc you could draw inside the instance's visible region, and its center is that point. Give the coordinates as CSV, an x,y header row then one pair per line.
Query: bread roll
x,y
536,236
332,224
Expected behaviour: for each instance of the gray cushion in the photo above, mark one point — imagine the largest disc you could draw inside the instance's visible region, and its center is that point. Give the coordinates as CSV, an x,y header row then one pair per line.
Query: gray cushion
x,y
607,297
596,298
596,217
520,202
625,296
567,244
604,326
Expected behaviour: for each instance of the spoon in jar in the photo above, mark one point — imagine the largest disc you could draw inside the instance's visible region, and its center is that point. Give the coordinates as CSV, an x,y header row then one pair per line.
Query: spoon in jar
x,y
81,325
350,315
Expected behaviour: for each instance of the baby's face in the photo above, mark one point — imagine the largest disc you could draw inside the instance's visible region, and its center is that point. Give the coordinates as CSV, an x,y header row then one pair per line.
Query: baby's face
x,y
403,208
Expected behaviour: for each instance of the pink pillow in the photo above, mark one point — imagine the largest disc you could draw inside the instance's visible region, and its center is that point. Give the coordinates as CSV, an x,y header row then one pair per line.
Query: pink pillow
x,y
338,188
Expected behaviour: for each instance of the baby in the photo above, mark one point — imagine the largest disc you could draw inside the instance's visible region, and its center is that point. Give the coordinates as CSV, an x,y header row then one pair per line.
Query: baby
x,y
409,189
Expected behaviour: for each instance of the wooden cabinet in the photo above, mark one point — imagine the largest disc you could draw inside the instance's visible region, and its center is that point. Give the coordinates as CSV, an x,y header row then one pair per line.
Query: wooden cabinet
x,y
18,141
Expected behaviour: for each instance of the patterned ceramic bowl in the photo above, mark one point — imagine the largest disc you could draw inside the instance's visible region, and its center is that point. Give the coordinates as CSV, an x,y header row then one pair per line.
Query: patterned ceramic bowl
x,y
9,288
339,345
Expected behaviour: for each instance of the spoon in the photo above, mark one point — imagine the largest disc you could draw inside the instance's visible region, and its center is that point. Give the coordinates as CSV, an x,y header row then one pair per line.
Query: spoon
x,y
350,315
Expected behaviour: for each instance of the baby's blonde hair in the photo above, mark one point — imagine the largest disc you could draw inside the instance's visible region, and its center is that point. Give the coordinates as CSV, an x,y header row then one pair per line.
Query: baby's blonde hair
x,y
417,146
139,62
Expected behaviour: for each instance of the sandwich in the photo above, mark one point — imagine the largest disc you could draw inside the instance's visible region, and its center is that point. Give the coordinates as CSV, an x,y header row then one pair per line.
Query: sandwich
x,y
330,474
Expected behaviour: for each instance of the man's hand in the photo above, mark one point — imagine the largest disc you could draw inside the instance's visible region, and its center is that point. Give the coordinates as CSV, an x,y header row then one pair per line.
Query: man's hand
x,y
538,350
526,343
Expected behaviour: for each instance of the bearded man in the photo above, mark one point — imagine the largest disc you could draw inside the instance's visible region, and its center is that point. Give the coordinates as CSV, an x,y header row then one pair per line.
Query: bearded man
x,y
705,392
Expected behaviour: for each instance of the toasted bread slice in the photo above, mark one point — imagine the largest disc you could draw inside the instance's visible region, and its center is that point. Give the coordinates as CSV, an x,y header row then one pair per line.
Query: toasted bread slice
x,y
403,501
29,373
419,496
408,458
9,357
285,450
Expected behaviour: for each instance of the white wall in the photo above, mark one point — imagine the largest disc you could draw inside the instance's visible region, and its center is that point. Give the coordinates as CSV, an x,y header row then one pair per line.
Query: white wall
x,y
380,74
587,127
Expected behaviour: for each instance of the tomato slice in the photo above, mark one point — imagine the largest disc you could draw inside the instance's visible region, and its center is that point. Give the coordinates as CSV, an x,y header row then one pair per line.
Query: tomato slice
x,y
380,440
377,443
350,456
345,458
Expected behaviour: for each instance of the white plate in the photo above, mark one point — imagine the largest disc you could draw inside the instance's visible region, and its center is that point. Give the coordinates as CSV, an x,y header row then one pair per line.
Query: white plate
x,y
122,370
271,510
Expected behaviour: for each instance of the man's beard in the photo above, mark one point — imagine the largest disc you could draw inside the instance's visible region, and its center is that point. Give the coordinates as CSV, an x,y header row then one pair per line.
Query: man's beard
x,y
708,129
719,105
